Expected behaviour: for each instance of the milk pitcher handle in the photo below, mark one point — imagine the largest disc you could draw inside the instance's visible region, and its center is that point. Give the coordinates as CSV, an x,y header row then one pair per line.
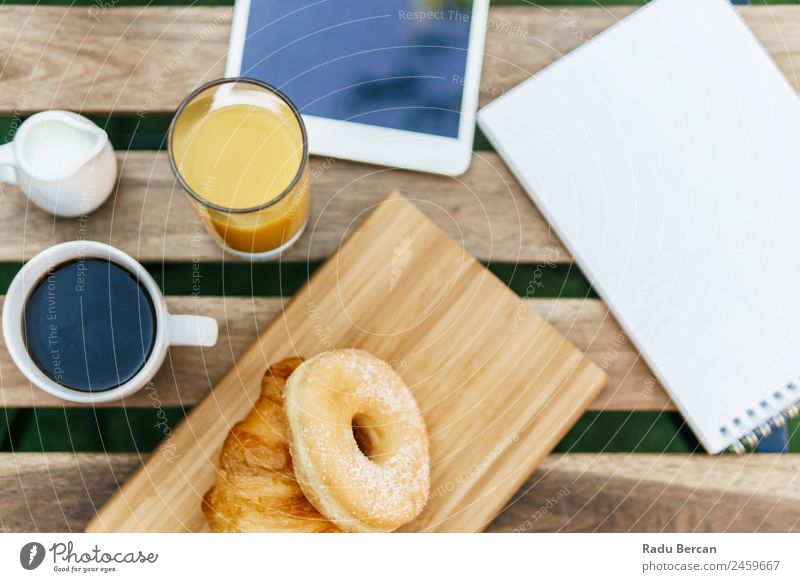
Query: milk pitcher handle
x,y
8,165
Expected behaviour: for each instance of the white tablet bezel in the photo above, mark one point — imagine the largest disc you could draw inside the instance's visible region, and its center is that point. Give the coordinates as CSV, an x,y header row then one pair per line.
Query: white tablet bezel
x,y
380,145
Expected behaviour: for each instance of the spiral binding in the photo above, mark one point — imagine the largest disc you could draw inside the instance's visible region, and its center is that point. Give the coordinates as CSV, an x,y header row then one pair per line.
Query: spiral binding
x,y
751,439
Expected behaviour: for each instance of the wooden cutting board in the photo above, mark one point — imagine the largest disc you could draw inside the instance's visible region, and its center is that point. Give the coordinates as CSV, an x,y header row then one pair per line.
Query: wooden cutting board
x,y
498,386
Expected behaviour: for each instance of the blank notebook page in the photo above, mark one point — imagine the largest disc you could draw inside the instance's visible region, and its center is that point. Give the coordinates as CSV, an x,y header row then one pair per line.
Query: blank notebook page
x,y
665,153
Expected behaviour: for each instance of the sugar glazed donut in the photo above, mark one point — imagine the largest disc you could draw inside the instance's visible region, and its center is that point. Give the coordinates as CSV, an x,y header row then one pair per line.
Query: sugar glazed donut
x,y
358,441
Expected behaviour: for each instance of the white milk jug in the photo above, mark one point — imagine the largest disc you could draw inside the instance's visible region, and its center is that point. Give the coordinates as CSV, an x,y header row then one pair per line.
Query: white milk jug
x,y
62,161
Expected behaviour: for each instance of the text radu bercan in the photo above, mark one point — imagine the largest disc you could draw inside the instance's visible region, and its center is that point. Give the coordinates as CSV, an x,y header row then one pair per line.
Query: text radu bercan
x,y
677,549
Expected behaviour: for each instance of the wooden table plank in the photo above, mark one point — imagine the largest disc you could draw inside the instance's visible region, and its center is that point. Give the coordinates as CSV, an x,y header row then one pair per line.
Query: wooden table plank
x,y
139,60
189,373
56,492
659,493
126,60
151,218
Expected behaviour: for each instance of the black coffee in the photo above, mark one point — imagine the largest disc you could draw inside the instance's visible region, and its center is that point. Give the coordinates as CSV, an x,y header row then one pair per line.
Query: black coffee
x,y
89,325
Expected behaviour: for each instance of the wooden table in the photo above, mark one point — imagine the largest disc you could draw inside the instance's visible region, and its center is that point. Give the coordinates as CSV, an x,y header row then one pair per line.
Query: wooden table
x,y
142,61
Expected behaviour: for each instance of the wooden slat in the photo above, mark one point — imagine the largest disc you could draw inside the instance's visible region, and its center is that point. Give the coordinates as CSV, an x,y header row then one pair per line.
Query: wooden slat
x,y
659,493
151,218
582,492
124,60
189,373
147,59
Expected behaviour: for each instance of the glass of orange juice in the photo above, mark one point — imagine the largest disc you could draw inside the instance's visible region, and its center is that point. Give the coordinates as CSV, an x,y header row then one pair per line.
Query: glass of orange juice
x,y
239,148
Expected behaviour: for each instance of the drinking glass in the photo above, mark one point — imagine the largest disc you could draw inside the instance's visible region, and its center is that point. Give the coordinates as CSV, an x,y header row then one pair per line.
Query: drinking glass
x,y
240,150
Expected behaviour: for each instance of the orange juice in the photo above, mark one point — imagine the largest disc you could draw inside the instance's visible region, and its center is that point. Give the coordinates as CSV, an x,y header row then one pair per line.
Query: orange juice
x,y
241,152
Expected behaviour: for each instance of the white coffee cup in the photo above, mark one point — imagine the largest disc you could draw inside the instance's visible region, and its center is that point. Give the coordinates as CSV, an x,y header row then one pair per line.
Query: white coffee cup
x,y
171,330
62,161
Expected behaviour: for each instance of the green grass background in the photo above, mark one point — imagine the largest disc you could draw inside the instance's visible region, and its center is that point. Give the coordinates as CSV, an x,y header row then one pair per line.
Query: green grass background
x,y
133,429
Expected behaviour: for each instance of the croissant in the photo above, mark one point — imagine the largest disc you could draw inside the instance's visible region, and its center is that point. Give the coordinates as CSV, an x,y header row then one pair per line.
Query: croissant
x,y
256,490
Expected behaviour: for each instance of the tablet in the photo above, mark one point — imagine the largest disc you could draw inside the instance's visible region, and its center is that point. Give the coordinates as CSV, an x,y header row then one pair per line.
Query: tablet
x,y
391,82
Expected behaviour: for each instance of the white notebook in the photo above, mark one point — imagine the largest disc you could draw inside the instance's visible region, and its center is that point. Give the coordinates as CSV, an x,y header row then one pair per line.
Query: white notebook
x,y
665,152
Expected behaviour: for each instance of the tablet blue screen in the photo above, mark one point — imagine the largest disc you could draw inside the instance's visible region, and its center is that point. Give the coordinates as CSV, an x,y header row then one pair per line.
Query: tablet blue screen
x,y
391,63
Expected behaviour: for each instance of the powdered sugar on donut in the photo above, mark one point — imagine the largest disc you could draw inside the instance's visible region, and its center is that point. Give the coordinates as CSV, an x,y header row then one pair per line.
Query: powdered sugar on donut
x,y
358,493
377,381
387,486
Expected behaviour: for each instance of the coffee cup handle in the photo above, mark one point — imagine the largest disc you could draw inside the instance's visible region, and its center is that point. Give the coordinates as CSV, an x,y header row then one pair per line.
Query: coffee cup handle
x,y
192,330
8,164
